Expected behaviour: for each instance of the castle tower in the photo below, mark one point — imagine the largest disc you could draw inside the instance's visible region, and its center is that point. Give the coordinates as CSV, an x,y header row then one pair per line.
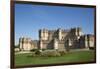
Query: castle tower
x,y
76,32
41,44
21,43
59,34
55,44
43,34
90,40
25,44
40,34
67,44
86,41
79,31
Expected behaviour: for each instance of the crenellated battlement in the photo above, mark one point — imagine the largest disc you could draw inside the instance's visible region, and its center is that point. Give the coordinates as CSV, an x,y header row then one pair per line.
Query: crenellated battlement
x,y
58,39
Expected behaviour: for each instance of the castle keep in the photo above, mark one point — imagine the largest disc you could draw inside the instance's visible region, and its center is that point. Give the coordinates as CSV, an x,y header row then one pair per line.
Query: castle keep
x,y
60,39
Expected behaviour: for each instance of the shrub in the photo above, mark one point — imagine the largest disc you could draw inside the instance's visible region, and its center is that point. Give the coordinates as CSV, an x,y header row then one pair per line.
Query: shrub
x,y
33,50
50,53
38,52
62,52
47,53
43,49
91,48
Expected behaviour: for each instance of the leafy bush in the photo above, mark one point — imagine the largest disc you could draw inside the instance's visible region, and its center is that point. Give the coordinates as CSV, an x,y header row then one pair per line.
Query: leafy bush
x,y
50,53
43,49
91,48
47,53
38,52
62,52
33,50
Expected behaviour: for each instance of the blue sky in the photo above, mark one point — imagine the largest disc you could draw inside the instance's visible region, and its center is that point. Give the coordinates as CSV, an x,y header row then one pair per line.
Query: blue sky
x,y
30,18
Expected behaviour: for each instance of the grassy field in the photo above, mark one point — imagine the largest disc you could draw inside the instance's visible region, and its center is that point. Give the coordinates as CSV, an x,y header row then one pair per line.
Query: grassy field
x,y
77,56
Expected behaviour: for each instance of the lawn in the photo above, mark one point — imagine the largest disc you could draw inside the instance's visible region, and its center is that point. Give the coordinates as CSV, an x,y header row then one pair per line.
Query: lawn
x,y
77,56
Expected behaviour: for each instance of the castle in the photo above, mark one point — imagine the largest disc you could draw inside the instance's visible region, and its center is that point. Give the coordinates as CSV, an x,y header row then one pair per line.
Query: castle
x,y
60,39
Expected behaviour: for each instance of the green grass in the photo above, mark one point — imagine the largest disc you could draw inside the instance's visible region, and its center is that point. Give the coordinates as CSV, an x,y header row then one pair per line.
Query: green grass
x,y
77,56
